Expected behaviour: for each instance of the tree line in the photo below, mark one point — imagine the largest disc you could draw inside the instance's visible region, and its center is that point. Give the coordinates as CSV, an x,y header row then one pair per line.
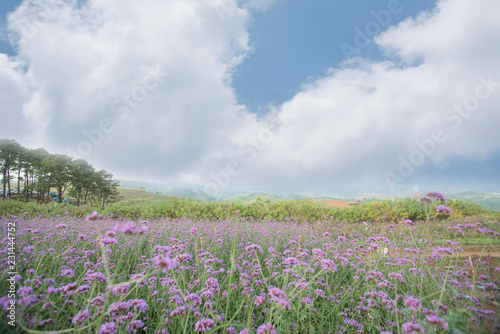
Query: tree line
x,y
38,172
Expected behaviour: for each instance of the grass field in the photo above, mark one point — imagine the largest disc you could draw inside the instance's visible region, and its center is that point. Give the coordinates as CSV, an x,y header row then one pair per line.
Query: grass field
x,y
131,193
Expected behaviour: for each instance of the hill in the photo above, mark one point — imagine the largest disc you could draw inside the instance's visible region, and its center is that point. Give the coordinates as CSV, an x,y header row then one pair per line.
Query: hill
x,y
130,193
490,201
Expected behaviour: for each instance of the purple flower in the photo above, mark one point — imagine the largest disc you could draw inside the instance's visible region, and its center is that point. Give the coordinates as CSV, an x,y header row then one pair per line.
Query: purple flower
x,y
134,326
46,321
128,228
276,293
425,199
4,303
328,264
266,328
444,210
69,272
181,310
116,308
204,325
166,264
194,297
139,305
108,328
307,301
68,287
436,195
212,283
320,293
94,215
291,261
28,301
318,252
411,328
52,291
24,291
83,289
98,277
109,240
28,249
80,317
120,290
258,300
413,303
435,320
253,247
285,305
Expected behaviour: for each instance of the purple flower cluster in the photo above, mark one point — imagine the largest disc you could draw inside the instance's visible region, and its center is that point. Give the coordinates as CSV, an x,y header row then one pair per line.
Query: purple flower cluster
x,y
444,210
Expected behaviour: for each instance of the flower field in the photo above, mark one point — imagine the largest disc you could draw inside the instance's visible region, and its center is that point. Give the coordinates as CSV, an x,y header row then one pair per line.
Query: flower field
x,y
243,275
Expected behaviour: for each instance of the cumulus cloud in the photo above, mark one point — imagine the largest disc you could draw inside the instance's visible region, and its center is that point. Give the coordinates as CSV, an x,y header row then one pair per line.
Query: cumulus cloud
x,y
357,122
13,94
145,91
158,74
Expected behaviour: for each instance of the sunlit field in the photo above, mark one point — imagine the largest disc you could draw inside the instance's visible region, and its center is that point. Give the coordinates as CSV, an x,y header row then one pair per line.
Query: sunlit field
x,y
100,274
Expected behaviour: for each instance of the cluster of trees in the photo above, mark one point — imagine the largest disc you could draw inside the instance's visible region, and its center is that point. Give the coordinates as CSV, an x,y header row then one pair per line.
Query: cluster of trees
x,y
39,172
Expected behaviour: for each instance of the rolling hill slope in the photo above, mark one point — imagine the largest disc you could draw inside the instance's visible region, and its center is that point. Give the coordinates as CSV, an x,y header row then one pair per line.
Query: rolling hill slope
x,y
130,193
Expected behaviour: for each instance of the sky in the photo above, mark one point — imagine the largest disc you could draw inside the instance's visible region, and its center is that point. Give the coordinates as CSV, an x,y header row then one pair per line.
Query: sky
x,y
275,95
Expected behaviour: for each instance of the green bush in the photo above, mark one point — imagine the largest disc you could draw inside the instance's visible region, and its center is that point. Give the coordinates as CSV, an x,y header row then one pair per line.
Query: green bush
x,y
300,210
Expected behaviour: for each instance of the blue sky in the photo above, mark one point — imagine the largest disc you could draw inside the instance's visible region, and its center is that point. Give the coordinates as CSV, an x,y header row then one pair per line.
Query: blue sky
x,y
297,40
238,94
6,6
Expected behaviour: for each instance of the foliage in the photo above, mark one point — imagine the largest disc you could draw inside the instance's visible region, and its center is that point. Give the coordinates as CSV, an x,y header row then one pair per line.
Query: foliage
x,y
42,171
299,211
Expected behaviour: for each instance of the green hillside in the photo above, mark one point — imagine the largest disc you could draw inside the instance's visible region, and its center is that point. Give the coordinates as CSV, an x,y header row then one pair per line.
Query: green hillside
x,y
130,193
488,200
188,193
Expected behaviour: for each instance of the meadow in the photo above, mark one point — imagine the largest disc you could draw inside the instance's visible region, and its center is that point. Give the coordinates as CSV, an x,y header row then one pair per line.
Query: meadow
x,y
189,267
302,211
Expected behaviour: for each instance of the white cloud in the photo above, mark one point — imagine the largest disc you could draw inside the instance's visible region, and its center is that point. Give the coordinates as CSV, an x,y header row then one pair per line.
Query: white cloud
x,y
83,62
356,121
80,65
13,93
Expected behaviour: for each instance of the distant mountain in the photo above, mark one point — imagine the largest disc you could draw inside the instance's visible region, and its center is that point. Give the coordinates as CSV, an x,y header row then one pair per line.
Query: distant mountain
x,y
487,198
151,187
189,193
229,196
272,197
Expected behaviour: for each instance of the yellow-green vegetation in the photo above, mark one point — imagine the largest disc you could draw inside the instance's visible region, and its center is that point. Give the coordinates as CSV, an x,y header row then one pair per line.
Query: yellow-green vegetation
x,y
299,210
131,193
